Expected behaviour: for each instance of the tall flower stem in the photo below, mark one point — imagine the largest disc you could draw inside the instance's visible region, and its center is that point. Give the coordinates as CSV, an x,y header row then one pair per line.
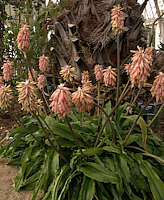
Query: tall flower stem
x,y
135,121
106,114
50,141
45,100
98,97
118,68
73,134
136,97
156,115
111,113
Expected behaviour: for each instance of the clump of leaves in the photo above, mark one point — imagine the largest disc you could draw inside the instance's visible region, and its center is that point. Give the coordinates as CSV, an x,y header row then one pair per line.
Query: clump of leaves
x,y
107,171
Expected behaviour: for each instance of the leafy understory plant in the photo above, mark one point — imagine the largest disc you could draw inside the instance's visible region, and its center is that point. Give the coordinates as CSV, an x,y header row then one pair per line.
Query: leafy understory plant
x,y
76,152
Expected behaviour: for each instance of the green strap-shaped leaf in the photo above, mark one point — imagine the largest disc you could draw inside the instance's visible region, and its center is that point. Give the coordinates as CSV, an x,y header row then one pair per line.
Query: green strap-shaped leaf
x,y
87,189
60,181
66,185
156,185
98,172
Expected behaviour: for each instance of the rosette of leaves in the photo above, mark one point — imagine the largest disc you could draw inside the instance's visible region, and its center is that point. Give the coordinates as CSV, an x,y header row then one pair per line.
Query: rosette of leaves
x,y
110,170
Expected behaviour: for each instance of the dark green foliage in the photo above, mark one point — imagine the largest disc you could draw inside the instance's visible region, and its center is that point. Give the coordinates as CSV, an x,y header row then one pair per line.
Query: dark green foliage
x,y
109,171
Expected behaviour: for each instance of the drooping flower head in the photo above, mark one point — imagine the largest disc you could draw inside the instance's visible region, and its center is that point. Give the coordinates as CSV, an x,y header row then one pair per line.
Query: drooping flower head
x,y
44,63
1,81
23,38
68,73
109,76
34,77
98,71
84,77
28,97
5,97
157,89
118,18
8,70
139,69
82,99
42,81
61,101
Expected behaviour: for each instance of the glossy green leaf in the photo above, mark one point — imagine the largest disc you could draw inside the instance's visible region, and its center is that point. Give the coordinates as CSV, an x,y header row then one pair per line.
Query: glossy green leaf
x,y
98,173
156,184
87,189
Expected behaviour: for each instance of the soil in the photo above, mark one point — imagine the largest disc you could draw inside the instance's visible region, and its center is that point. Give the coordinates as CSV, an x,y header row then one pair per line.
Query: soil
x,y
7,192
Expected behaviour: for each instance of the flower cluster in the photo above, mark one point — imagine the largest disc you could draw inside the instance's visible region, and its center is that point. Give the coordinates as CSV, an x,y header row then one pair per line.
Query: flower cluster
x,y
42,81
157,89
98,71
44,63
23,38
68,73
118,18
139,69
61,101
5,97
82,99
109,77
8,70
28,97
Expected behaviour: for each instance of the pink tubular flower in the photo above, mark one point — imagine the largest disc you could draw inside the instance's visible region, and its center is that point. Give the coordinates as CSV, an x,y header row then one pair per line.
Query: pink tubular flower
x,y
118,18
82,100
5,97
42,81
85,77
1,81
61,101
157,89
23,38
28,97
44,63
98,71
8,70
109,76
35,76
68,73
139,69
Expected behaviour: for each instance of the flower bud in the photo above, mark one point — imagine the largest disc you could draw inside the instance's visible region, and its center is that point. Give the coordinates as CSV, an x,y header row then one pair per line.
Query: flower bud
x,y
44,63
8,70
98,71
23,38
42,81
118,18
